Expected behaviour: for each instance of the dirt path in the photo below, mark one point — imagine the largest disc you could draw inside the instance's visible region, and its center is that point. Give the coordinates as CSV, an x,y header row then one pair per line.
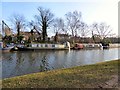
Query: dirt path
x,y
113,83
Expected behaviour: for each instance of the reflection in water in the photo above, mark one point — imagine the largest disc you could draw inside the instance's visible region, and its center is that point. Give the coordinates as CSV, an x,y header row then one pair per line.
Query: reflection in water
x,y
20,63
44,64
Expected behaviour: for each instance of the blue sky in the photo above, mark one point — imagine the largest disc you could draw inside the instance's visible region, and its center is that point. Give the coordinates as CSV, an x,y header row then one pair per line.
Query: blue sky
x,y
92,11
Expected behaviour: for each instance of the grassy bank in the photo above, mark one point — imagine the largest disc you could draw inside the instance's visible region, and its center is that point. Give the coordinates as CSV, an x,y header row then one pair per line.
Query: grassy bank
x,y
89,76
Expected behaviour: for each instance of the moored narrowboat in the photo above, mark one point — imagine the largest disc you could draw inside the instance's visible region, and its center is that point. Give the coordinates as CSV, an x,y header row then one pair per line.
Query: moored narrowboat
x,y
46,46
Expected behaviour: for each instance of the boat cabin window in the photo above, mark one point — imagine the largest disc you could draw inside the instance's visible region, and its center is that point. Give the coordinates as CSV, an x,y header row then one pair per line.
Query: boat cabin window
x,y
41,45
37,45
46,45
53,45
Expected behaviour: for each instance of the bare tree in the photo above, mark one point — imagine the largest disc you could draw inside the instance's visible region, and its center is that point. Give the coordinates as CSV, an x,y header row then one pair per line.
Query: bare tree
x,y
101,29
34,26
84,29
18,22
34,29
59,25
44,19
73,21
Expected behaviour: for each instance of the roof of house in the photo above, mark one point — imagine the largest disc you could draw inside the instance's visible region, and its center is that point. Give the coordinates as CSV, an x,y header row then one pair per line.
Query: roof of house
x,y
63,35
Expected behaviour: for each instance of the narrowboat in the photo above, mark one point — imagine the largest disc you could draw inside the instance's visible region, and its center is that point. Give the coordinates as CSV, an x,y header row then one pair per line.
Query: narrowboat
x,y
45,46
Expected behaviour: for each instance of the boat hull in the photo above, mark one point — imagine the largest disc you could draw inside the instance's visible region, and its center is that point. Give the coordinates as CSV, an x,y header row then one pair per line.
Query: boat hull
x,y
37,48
6,49
44,46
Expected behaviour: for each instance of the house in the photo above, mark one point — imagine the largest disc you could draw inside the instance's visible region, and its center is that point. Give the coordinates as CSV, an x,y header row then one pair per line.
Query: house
x,y
114,39
61,37
7,31
25,35
34,36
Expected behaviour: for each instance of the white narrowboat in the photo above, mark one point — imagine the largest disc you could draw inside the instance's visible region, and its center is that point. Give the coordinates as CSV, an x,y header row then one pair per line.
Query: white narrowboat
x,y
46,46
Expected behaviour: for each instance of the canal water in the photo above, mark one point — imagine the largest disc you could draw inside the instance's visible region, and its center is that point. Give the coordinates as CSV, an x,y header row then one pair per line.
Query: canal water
x,y
21,63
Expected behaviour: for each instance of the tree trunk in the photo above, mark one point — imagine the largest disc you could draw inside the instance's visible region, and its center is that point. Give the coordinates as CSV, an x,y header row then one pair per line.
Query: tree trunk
x,y
18,30
18,33
44,33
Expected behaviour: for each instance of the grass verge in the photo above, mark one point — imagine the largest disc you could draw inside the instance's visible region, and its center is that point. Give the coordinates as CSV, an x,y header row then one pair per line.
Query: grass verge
x,y
89,76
